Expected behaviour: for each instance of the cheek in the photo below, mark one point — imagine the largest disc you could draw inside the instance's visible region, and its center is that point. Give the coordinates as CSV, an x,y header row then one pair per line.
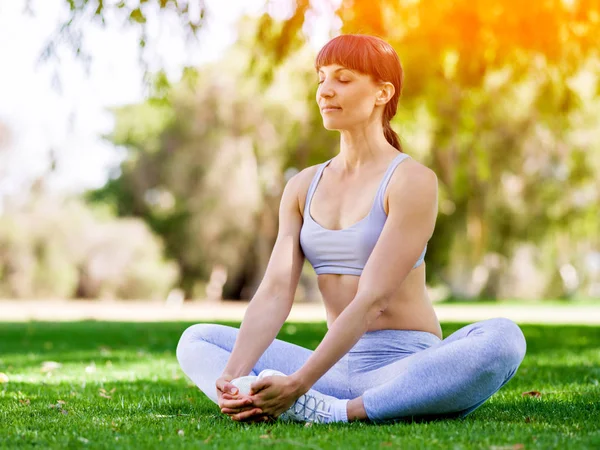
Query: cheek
x,y
360,100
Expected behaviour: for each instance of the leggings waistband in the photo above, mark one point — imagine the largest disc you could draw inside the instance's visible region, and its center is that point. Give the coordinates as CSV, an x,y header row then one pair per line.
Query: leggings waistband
x,y
395,340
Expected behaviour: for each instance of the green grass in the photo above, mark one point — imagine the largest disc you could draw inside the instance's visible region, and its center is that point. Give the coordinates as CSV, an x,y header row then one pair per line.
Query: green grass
x,y
133,395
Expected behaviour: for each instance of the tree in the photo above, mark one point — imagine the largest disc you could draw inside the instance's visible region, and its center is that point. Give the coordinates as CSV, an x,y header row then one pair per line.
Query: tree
x,y
206,162
491,103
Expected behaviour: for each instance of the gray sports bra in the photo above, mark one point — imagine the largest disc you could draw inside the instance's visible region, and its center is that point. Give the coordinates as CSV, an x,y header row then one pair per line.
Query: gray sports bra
x,y
345,251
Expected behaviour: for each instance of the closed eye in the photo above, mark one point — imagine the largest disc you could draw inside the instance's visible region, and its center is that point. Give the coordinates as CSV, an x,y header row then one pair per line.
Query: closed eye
x,y
341,81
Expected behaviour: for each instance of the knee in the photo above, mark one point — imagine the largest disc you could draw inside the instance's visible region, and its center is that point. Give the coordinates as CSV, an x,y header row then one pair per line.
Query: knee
x,y
193,334
509,342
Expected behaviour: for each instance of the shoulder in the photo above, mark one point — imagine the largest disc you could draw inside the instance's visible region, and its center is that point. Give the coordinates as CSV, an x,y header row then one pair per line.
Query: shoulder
x,y
297,186
413,183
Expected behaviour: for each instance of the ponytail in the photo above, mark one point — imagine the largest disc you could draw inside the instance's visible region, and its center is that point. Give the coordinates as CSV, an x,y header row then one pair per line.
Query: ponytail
x,y
391,136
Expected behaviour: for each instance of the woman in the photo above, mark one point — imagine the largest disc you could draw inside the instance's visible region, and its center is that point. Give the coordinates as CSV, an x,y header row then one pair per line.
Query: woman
x,y
363,220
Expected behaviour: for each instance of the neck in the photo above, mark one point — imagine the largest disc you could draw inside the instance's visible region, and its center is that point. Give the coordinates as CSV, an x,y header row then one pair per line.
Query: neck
x,y
364,146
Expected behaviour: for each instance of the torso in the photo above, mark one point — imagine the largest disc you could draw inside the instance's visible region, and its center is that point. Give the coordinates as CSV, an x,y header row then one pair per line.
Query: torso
x,y
338,204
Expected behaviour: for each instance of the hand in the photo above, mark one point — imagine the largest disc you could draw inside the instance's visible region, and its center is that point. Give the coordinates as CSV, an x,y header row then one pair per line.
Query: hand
x,y
235,405
275,394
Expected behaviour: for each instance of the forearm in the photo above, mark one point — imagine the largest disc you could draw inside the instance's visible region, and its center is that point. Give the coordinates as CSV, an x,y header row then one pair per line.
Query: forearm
x,y
262,321
339,339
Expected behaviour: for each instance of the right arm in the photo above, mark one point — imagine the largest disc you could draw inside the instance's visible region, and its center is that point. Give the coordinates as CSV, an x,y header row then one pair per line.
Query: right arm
x,y
271,305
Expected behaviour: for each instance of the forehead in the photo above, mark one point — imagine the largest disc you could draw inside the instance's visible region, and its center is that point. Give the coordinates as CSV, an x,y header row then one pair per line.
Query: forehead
x,y
332,68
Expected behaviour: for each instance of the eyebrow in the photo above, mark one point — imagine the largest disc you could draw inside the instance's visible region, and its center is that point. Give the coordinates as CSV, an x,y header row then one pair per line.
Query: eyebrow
x,y
338,69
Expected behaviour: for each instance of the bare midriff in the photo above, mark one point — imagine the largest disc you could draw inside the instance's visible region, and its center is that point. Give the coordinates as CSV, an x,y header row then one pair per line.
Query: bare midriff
x,y
410,309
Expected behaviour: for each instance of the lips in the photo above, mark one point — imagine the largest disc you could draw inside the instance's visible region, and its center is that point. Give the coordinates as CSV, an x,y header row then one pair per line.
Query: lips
x,y
330,108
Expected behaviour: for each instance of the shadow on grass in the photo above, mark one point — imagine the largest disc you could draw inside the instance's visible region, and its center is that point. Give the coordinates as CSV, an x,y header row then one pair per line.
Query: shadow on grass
x,y
163,336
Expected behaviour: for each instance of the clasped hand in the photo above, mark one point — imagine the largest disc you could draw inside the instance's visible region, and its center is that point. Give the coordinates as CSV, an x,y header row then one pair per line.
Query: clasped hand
x,y
269,397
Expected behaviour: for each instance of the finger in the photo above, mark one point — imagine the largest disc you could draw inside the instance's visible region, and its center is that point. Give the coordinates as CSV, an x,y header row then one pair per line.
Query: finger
x,y
233,397
235,403
226,387
245,415
232,411
259,385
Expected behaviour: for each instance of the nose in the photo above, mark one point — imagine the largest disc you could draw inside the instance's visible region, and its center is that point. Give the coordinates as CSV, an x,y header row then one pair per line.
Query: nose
x,y
325,90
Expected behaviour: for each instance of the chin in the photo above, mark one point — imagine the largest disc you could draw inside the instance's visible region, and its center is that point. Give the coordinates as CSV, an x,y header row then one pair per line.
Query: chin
x,y
332,125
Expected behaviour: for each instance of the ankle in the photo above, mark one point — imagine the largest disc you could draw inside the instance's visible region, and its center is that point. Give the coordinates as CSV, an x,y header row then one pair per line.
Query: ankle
x,y
355,410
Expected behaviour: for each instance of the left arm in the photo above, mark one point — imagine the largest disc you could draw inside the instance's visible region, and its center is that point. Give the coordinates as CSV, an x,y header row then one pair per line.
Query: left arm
x,y
410,224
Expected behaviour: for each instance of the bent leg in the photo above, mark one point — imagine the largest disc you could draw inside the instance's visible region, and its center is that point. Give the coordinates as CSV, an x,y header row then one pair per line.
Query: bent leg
x,y
204,349
450,379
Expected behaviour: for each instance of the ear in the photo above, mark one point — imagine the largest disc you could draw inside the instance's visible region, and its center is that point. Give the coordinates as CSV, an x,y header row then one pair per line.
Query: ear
x,y
385,93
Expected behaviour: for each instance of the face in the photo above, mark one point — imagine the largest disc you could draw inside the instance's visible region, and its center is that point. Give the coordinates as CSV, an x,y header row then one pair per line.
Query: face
x,y
348,99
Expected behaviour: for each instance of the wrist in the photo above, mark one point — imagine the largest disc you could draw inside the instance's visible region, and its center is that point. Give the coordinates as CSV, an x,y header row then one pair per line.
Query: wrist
x,y
300,383
231,374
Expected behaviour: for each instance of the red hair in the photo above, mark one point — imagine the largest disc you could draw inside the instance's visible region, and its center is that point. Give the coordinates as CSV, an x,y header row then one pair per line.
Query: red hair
x,y
372,56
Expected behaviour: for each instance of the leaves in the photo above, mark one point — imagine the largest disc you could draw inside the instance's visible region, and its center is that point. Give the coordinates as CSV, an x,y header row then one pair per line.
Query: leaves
x,y
535,394
106,394
137,16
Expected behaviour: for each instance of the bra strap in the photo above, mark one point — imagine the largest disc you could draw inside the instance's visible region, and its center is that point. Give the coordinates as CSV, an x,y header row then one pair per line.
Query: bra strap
x,y
313,187
387,177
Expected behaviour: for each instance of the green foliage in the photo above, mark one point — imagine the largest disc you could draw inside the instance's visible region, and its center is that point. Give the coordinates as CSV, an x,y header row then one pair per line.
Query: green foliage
x,y
500,100
206,160
63,249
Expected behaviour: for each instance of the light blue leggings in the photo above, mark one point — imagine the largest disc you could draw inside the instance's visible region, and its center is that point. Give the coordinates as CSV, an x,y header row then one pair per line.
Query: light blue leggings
x,y
399,373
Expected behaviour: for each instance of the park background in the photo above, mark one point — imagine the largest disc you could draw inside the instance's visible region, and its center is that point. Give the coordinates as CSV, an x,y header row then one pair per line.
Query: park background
x,y
144,147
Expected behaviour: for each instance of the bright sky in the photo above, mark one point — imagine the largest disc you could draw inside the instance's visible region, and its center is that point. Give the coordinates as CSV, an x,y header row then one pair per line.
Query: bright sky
x,y
71,119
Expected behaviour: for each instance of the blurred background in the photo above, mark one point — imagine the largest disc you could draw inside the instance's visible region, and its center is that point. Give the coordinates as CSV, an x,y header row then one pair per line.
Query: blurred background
x,y
145,144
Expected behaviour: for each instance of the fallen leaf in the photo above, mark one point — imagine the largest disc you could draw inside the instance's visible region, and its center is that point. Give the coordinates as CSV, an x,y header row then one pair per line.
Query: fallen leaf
x,y
64,411
535,394
264,436
3,378
25,402
308,424
102,394
60,402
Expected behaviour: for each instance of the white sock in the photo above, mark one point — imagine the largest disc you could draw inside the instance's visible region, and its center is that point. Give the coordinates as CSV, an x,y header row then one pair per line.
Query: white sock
x,y
339,411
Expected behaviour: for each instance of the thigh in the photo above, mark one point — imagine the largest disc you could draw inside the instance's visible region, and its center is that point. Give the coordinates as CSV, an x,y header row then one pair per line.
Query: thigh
x,y
475,338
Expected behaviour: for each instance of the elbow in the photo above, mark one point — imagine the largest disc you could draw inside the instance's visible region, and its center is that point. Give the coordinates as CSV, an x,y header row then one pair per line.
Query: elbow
x,y
376,307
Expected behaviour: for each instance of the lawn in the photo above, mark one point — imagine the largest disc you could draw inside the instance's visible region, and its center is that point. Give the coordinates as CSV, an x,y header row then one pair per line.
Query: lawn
x,y
118,385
